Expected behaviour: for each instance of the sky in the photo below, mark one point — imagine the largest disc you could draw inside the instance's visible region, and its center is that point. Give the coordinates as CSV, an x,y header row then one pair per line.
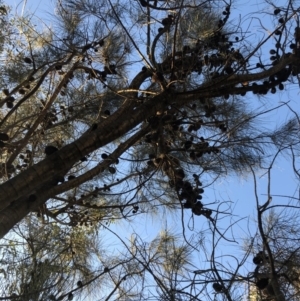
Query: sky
x,y
238,190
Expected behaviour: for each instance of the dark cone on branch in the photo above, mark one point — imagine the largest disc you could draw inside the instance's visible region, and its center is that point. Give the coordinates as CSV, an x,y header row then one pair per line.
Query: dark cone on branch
x,y
28,60
276,11
4,137
50,149
217,287
112,170
262,283
5,92
104,156
9,104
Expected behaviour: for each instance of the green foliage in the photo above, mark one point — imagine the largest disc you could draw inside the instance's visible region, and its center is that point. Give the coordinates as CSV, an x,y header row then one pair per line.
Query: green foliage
x,y
119,110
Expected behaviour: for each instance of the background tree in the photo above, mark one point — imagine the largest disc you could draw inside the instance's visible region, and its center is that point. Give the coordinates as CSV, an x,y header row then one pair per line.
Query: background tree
x,y
46,262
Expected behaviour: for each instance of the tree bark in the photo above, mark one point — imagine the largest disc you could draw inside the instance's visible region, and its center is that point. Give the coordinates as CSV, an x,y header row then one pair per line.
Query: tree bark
x,y
15,191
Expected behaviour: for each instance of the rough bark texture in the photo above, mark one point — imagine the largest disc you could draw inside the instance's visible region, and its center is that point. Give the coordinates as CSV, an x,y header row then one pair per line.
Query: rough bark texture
x,y
121,122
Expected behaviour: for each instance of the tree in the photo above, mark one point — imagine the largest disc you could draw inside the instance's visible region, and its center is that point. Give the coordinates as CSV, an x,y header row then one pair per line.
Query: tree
x,y
75,99
46,262
129,109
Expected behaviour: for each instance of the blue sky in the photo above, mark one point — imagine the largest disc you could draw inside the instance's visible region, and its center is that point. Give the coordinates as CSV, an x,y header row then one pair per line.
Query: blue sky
x,y
238,190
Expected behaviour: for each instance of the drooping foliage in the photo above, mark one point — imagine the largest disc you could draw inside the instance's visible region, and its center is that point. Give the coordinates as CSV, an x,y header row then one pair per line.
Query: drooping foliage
x,y
119,109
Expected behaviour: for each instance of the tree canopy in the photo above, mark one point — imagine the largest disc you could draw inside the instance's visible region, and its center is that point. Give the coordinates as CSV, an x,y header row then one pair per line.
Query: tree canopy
x,y
118,110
